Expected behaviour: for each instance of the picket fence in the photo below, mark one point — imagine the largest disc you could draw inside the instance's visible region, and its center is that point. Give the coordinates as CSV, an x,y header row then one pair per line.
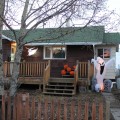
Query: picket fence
x,y
25,107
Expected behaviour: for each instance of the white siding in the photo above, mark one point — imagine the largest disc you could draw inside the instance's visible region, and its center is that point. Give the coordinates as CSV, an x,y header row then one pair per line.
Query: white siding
x,y
110,72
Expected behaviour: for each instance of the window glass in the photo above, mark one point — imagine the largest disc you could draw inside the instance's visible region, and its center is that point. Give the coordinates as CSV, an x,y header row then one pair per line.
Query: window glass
x,y
100,53
55,52
47,52
104,53
58,52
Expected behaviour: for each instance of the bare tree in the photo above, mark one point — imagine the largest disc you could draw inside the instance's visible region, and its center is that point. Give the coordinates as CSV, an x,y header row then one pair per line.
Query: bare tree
x,y
1,57
36,13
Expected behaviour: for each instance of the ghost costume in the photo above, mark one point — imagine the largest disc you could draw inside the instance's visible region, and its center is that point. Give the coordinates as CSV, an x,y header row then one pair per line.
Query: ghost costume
x,y
101,67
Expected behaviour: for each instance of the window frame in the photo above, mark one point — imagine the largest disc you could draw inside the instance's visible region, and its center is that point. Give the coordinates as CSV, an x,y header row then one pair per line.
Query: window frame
x,y
51,52
103,52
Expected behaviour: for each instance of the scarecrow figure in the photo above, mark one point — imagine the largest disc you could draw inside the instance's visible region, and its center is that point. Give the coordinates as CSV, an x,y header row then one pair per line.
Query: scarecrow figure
x,y
101,67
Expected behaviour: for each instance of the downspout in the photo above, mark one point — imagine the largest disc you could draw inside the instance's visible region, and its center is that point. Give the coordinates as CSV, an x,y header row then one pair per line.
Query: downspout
x,y
94,58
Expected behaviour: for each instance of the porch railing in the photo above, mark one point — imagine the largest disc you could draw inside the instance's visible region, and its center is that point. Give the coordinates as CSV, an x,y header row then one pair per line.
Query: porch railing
x,y
46,75
85,71
32,69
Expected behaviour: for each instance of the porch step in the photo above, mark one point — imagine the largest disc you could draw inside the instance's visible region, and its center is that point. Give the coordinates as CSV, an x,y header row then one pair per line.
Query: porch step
x,y
62,86
60,94
62,80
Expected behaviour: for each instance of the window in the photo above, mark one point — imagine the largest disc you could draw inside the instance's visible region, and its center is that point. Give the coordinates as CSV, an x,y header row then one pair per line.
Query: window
x,y
104,53
13,51
54,52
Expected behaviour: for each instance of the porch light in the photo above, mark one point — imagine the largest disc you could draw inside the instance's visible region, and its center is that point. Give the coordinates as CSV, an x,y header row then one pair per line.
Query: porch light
x,y
32,51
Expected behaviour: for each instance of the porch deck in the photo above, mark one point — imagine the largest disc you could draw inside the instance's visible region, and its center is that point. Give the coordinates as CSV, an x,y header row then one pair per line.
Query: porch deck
x,y
38,73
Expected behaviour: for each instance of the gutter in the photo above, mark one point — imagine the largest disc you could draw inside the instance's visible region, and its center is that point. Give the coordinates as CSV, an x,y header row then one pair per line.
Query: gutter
x,y
7,38
63,43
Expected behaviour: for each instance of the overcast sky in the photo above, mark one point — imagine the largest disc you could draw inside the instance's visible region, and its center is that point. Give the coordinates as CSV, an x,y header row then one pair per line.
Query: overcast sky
x,y
114,5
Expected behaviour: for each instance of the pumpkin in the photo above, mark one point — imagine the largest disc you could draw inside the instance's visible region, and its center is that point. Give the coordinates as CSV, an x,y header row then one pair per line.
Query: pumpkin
x,y
63,72
68,69
72,73
74,67
65,66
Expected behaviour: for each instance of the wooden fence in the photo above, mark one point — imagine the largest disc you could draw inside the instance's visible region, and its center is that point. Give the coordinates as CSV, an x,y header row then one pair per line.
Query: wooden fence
x,y
25,107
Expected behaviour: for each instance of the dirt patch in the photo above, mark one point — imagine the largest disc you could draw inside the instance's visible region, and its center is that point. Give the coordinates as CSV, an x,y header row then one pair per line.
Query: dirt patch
x,y
116,93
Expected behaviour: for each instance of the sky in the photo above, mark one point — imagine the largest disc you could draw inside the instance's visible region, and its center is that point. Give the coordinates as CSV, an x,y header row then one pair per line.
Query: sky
x,y
115,5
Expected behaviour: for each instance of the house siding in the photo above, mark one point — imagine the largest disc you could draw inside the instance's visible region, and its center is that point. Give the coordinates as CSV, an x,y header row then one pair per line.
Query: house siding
x,y
6,50
110,72
74,52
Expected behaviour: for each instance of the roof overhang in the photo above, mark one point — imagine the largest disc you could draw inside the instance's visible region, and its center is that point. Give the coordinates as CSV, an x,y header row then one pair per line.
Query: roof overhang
x,y
7,38
62,43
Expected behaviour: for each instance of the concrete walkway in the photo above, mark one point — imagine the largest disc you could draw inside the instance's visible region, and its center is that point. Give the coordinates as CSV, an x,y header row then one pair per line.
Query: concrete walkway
x,y
114,106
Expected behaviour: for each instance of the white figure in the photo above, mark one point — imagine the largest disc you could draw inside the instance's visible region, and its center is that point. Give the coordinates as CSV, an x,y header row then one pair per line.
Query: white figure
x,y
101,67
31,51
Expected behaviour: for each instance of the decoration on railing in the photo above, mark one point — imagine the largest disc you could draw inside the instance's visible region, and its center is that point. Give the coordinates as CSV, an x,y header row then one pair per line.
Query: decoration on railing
x,y
31,51
68,70
101,68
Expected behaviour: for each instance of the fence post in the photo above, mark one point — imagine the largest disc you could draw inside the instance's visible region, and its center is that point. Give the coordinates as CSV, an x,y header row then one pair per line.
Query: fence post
x,y
3,107
27,107
79,110
15,108
107,110
86,110
72,110
9,108
19,110
52,110
33,109
93,111
39,109
101,111
46,109
58,110
65,110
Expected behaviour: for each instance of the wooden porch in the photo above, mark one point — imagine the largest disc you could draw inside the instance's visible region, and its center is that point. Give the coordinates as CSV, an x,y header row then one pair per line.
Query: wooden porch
x,y
39,73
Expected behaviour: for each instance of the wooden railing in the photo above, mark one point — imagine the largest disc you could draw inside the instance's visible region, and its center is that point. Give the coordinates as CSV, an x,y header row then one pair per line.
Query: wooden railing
x,y
46,75
25,107
90,71
29,69
85,72
83,69
75,77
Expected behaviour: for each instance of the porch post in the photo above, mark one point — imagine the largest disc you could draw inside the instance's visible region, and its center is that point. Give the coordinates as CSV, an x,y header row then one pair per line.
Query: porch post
x,y
94,58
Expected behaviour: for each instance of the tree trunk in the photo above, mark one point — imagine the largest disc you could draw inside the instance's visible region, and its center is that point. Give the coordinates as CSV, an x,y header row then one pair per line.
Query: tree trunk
x,y
15,72
2,5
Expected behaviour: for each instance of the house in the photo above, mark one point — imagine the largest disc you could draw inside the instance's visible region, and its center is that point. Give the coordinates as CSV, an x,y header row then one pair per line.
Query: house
x,y
7,46
70,46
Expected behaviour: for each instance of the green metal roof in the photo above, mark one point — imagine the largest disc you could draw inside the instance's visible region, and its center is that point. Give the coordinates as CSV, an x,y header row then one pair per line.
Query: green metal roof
x,y
113,38
53,35
68,35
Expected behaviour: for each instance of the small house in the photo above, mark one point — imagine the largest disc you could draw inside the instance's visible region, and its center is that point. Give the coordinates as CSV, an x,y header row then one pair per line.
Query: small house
x,y
8,48
74,47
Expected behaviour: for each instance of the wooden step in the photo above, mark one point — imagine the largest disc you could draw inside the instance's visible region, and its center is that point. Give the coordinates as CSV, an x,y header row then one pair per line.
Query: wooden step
x,y
62,80
61,94
59,86
58,89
